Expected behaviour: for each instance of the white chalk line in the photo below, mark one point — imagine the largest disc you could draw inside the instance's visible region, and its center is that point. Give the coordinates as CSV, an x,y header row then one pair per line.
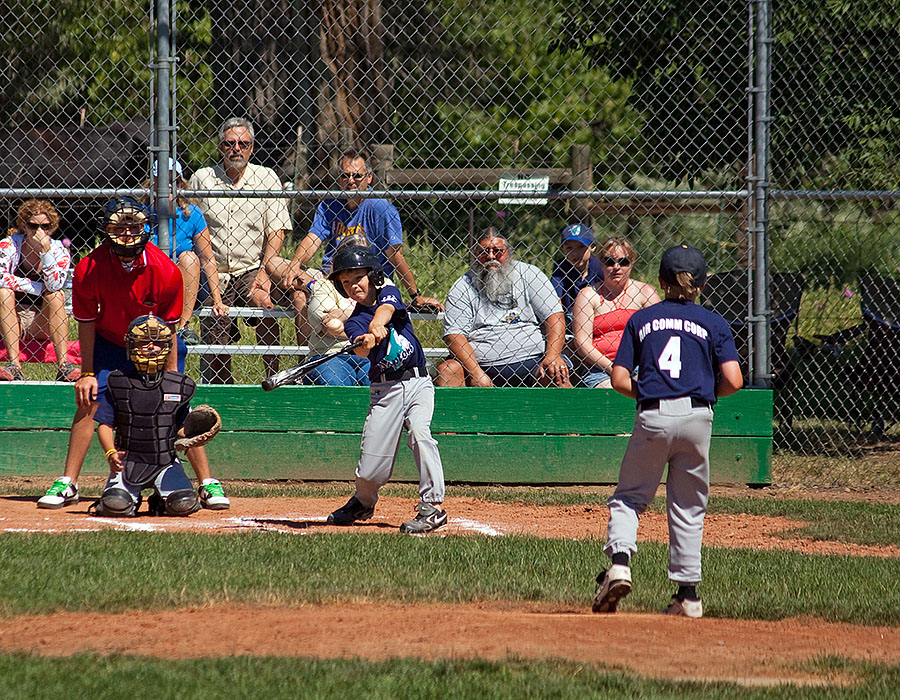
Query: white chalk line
x,y
268,523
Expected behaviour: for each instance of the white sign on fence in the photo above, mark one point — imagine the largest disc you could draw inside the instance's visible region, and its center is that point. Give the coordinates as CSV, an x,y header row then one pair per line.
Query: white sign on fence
x,y
526,184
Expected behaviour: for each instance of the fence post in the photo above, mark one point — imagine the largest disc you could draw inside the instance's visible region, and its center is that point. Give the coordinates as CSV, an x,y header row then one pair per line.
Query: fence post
x,y
163,123
383,155
582,179
762,39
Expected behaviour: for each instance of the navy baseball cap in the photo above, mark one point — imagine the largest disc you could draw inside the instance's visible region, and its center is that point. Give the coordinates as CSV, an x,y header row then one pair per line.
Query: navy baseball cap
x,y
577,232
682,258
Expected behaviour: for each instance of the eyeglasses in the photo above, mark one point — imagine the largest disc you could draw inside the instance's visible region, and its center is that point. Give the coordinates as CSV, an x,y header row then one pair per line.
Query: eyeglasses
x,y
31,226
621,262
496,252
230,144
356,177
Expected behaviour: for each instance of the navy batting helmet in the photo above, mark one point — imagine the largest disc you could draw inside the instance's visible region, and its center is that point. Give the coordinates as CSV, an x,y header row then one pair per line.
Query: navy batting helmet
x,y
126,226
355,257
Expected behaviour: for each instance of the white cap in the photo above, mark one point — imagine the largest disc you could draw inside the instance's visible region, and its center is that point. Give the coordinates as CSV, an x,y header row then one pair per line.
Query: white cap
x,y
173,165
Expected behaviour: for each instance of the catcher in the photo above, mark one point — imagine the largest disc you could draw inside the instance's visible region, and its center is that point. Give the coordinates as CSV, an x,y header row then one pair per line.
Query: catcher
x,y
143,418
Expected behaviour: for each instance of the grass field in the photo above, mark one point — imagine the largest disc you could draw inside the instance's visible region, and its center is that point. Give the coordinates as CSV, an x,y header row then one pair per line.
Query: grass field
x,y
131,573
86,676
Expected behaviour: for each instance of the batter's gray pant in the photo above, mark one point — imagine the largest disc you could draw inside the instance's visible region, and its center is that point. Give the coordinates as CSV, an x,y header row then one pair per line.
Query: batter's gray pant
x,y
678,434
393,406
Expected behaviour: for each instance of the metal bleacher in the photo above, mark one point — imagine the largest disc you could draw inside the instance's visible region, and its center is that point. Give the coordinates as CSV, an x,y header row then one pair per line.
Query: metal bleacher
x,y
249,312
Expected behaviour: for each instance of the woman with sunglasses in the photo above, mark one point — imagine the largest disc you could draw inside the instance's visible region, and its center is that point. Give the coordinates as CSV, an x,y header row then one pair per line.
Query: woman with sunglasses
x,y
33,272
602,310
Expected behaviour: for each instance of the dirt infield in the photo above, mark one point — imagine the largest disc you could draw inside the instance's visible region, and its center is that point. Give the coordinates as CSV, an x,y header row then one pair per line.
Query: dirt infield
x,y
306,516
748,652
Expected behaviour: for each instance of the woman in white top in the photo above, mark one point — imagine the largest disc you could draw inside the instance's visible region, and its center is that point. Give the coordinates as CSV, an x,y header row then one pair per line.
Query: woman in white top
x,y
33,271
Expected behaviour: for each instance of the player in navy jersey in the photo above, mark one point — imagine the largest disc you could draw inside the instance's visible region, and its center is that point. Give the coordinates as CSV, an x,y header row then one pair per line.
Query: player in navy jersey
x,y
686,358
401,392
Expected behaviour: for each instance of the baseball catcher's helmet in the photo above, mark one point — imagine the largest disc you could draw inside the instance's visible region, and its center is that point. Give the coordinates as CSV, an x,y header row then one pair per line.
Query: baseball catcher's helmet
x,y
148,343
126,226
355,257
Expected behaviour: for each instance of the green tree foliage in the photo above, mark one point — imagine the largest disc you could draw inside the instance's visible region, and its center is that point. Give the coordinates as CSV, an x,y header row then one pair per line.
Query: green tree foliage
x,y
61,58
480,87
688,64
835,86
836,77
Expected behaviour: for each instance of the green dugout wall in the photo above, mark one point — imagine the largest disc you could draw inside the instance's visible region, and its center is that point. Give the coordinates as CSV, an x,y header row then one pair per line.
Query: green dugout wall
x,y
501,435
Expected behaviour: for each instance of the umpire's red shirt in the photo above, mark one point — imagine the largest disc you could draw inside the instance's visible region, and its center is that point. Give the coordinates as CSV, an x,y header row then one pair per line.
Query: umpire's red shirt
x,y
105,291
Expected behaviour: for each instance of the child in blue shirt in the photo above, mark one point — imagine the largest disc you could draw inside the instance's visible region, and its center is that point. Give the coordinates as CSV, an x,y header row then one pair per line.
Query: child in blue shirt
x,y
401,392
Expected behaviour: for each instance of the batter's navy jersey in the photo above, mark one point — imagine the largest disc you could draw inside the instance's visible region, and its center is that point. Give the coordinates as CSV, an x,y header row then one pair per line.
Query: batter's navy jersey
x,y
401,350
677,347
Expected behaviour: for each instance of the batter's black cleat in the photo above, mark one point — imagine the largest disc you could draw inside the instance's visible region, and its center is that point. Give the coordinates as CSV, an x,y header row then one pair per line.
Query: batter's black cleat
x,y
350,513
428,518
612,585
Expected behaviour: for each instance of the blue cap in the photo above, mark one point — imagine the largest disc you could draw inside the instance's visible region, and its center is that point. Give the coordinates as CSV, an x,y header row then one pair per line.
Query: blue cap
x,y
578,232
173,165
682,258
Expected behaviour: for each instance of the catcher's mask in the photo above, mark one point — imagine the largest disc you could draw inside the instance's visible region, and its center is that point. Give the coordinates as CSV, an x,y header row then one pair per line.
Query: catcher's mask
x,y
355,257
148,343
126,226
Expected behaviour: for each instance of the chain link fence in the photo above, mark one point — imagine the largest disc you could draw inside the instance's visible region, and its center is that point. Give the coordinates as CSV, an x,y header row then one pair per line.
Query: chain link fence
x,y
767,137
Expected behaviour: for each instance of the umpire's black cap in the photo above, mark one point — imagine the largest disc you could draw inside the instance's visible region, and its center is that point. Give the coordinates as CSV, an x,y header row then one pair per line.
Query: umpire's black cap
x,y
682,258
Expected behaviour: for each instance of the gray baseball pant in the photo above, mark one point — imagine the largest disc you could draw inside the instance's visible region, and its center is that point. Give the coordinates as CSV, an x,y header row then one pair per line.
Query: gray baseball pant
x,y
678,434
393,406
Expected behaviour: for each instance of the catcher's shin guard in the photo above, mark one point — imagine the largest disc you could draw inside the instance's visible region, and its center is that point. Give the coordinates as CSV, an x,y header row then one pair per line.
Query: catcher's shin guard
x,y
114,503
182,503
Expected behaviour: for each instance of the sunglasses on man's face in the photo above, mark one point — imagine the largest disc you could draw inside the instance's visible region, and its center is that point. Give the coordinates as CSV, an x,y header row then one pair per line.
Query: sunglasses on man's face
x,y
31,226
496,252
356,177
621,262
231,144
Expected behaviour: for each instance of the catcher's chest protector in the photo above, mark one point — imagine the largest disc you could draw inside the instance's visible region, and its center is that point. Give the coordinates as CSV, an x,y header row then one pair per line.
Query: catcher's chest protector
x,y
145,421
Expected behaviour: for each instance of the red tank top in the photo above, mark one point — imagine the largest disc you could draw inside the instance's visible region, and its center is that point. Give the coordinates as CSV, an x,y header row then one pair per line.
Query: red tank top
x,y
608,329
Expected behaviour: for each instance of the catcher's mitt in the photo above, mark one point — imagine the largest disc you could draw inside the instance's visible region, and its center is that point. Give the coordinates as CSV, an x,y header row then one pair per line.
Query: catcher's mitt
x,y
201,425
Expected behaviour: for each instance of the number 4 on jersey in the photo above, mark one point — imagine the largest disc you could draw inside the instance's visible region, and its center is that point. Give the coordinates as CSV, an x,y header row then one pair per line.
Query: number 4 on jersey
x,y
669,359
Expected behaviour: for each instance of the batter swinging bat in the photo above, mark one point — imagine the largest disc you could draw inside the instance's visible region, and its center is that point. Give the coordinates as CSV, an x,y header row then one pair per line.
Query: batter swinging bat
x,y
291,375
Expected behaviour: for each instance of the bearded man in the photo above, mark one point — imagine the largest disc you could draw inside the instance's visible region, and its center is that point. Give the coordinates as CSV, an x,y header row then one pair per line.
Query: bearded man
x,y
504,323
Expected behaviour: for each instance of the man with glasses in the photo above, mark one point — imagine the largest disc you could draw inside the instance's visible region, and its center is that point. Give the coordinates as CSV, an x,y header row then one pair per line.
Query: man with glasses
x,y
245,234
335,219
504,323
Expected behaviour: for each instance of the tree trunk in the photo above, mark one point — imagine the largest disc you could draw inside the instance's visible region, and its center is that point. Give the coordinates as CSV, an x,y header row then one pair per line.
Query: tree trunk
x,y
353,93
261,60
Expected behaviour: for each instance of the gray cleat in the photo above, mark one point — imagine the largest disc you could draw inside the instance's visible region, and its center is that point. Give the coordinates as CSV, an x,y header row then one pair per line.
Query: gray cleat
x,y
428,518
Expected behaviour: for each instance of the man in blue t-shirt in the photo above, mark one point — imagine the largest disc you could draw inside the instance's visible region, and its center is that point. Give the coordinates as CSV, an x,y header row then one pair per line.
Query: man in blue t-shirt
x,y
335,219
686,358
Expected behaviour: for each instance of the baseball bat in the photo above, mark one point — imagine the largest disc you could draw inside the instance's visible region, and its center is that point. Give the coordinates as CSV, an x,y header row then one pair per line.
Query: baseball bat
x,y
292,374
